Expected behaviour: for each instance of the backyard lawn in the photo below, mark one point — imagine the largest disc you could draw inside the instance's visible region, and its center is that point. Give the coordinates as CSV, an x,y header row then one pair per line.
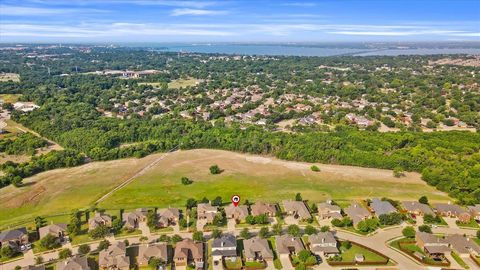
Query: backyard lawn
x,y
348,255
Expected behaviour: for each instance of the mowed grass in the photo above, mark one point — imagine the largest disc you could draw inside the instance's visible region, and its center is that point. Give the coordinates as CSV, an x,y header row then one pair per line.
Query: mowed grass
x,y
251,177
5,77
180,83
259,178
9,98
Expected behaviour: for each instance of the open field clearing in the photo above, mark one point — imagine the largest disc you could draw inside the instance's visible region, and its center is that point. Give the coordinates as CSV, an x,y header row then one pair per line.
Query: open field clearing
x,y
251,177
9,98
180,83
5,77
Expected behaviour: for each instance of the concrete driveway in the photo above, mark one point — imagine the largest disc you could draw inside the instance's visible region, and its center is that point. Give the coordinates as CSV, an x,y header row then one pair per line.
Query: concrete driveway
x,y
231,223
451,222
289,220
286,264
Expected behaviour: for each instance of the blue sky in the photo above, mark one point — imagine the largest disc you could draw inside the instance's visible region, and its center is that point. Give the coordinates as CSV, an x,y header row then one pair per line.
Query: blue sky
x,y
238,21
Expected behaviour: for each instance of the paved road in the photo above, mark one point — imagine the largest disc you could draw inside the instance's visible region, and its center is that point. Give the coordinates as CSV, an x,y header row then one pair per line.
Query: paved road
x,y
377,241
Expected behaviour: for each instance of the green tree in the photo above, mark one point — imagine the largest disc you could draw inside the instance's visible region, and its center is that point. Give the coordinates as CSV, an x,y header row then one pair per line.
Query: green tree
x,y
39,260
176,238
198,236
303,255
425,228
103,245
277,229
245,233
216,233
315,168
186,181
309,229
423,200
155,262
294,230
250,219
7,252
263,233
214,169
99,232
325,228
298,197
84,249
64,254
409,232
152,219
49,242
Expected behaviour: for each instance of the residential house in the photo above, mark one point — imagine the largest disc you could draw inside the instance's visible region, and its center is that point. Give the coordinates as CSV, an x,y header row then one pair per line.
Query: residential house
x,y
58,230
99,219
189,252
288,245
297,209
454,211
327,210
380,207
356,213
74,263
114,257
464,246
257,249
474,211
167,217
260,208
206,212
238,213
146,252
433,245
323,243
224,247
416,208
132,219
14,238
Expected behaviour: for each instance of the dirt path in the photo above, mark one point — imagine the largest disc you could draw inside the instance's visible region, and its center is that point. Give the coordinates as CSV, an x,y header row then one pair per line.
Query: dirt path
x,y
137,174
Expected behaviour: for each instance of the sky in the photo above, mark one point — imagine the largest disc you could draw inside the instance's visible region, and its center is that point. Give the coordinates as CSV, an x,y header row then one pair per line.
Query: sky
x,y
110,21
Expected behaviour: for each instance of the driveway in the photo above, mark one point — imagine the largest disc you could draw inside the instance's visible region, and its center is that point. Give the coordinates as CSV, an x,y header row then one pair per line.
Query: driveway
x,y
231,223
201,224
286,264
289,220
451,222
144,228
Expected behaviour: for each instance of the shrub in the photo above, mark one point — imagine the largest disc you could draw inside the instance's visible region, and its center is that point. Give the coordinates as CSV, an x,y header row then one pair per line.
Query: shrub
x,y
214,169
185,181
84,249
310,230
49,242
315,168
408,232
64,254
425,228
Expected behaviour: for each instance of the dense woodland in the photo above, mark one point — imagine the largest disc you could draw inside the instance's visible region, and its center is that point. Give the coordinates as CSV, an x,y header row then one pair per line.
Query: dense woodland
x,y
69,112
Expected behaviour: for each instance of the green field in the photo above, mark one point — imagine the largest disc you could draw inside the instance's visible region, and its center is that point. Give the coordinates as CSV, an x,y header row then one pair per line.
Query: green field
x,y
10,98
180,83
5,77
251,177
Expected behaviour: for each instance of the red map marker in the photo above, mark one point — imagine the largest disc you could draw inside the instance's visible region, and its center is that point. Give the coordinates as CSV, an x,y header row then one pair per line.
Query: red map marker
x,y
235,200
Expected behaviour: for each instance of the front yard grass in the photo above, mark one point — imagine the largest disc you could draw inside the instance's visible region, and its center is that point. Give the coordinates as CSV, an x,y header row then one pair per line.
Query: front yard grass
x,y
471,224
459,260
348,255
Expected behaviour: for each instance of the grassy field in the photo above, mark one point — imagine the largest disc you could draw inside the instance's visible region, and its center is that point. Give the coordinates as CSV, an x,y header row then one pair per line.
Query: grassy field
x,y
9,98
5,77
251,177
180,83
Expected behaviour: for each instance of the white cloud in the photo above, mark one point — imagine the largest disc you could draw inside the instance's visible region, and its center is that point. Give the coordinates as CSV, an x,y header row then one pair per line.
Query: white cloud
x,y
195,12
8,10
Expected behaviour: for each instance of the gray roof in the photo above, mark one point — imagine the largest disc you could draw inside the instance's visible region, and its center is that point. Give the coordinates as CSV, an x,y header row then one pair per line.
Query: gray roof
x,y
169,213
414,206
462,244
227,240
257,245
260,208
287,242
12,234
158,250
326,207
357,213
430,239
115,255
74,263
321,238
53,229
452,208
297,207
382,207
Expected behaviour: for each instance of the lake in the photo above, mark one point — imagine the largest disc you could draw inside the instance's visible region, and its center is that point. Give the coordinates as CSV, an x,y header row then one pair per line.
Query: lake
x,y
309,50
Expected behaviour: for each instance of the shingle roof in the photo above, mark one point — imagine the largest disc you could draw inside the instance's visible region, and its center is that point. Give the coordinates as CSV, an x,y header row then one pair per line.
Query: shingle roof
x,y
227,240
253,245
74,263
414,206
462,244
114,256
453,208
12,234
321,238
240,211
53,229
382,207
287,242
297,207
356,212
260,208
145,252
182,248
